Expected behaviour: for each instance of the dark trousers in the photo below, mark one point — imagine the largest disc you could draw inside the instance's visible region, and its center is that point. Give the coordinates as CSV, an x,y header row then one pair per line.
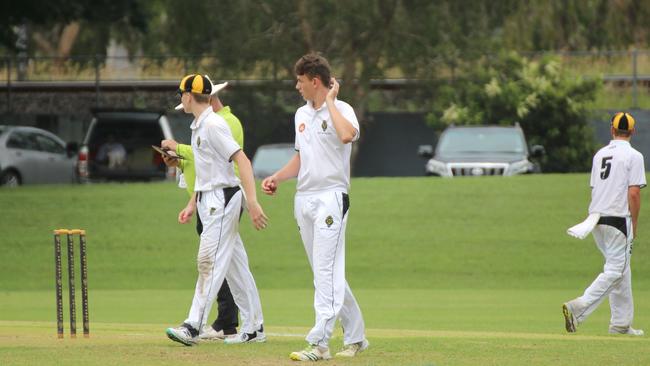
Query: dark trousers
x,y
227,319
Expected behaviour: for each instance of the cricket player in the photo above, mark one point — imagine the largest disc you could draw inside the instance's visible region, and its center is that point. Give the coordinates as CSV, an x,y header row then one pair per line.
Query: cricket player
x,y
227,320
218,199
325,127
617,176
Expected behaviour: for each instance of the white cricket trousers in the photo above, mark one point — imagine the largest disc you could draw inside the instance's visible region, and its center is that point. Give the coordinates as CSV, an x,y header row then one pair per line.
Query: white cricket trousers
x,y
322,218
222,255
616,279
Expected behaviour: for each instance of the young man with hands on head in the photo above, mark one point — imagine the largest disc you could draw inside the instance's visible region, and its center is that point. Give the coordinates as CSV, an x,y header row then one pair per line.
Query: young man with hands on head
x,y
325,127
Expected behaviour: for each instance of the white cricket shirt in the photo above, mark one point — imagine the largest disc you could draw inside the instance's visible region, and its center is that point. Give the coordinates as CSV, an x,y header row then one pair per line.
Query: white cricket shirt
x,y
616,167
324,159
213,146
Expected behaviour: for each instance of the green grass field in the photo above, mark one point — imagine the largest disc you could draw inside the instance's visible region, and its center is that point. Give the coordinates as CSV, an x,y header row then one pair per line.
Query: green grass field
x,y
447,272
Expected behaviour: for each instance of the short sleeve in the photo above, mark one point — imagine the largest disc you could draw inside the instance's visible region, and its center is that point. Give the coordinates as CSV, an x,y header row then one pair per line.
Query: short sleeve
x,y
296,131
348,113
637,171
222,140
594,173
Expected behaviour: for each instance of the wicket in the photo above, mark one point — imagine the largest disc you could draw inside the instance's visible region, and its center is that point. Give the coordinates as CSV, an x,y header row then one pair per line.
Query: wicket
x,y
71,281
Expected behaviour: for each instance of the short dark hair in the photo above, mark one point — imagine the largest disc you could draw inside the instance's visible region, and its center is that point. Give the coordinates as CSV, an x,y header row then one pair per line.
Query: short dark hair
x,y
622,133
201,98
314,65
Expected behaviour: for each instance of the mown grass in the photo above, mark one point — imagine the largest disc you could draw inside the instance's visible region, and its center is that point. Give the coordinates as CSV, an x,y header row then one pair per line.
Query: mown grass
x,y
447,272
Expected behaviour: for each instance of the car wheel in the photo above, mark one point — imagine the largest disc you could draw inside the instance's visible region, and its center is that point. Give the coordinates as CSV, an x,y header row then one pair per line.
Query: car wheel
x,y
10,179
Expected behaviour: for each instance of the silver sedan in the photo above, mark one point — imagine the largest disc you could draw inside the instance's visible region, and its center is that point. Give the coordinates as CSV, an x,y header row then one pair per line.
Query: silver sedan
x,y
31,155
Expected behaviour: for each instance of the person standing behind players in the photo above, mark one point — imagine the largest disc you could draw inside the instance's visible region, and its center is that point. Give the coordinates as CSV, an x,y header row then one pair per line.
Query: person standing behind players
x,y
227,319
218,199
324,128
617,176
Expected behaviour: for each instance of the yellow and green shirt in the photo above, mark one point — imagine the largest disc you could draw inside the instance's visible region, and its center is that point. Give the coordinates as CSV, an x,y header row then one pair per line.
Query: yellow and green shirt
x,y
187,165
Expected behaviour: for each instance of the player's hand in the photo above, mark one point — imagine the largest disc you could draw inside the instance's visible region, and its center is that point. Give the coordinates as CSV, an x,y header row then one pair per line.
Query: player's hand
x,y
186,214
169,145
270,185
334,90
171,162
257,215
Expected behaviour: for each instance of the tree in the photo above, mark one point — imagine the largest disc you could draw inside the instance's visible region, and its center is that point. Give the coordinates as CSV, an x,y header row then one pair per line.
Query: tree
x,y
550,105
56,27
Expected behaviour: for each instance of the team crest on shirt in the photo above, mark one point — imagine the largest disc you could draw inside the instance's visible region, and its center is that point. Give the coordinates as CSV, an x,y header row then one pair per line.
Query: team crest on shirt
x,y
301,127
198,141
324,125
212,210
329,221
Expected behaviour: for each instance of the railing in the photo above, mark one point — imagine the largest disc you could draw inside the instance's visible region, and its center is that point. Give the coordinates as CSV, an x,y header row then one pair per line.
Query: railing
x,y
628,69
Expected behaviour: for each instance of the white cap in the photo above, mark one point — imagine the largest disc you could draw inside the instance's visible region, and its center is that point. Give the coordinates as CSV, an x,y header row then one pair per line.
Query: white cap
x,y
215,89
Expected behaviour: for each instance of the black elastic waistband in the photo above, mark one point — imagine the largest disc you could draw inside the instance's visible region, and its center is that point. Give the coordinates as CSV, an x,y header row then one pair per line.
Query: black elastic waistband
x,y
617,222
228,192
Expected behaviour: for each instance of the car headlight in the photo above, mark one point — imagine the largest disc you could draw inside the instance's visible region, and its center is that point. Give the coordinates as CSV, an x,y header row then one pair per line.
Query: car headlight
x,y
520,167
437,167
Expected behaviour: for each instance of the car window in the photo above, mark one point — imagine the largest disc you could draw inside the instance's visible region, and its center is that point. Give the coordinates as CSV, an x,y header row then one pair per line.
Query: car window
x,y
134,136
180,126
270,159
22,140
478,140
48,144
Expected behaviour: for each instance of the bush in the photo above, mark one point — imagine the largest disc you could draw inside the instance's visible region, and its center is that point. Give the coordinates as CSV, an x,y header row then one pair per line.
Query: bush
x,y
549,104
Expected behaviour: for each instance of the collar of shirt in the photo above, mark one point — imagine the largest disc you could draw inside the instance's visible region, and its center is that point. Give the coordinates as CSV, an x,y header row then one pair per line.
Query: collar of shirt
x,y
324,106
619,142
225,110
197,121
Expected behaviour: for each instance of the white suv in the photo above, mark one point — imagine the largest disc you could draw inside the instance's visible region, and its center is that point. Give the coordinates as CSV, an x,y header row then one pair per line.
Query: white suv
x,y
481,151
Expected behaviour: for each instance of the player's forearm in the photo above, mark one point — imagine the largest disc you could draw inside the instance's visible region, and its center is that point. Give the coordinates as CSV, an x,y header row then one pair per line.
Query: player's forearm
x,y
634,200
290,170
246,176
192,201
344,128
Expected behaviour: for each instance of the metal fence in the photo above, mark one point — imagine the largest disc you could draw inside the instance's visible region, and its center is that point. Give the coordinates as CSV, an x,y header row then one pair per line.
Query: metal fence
x,y
628,69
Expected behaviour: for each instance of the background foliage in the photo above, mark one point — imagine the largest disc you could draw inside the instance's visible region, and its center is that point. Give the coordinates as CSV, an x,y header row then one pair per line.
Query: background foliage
x,y
550,105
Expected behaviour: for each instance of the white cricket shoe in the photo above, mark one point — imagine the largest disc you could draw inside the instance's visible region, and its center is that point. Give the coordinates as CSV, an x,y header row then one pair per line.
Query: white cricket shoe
x,y
209,334
183,334
570,321
311,353
351,350
255,337
628,330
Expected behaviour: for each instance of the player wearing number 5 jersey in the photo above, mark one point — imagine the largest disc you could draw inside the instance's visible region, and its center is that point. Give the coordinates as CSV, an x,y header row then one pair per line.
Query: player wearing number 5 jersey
x,y
617,176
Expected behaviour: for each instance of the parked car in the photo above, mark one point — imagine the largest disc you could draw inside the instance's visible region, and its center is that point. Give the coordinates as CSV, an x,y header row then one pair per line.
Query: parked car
x,y
481,151
118,143
30,155
269,158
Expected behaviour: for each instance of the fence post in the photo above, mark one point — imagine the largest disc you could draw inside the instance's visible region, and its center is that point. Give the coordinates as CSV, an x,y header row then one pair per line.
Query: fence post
x,y
8,60
97,81
635,104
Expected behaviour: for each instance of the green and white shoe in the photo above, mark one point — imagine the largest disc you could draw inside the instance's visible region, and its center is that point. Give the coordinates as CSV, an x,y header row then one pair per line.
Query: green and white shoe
x,y
184,334
311,353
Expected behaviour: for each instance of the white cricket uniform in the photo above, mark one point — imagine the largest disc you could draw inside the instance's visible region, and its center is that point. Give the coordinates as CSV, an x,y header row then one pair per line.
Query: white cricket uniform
x,y
321,206
221,250
616,167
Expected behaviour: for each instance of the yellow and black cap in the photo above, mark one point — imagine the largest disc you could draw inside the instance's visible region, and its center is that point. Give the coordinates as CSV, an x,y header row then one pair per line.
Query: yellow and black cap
x,y
623,121
195,83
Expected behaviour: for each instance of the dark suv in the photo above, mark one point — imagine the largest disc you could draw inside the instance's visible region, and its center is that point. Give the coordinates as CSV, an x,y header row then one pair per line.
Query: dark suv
x,y
118,143
480,151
